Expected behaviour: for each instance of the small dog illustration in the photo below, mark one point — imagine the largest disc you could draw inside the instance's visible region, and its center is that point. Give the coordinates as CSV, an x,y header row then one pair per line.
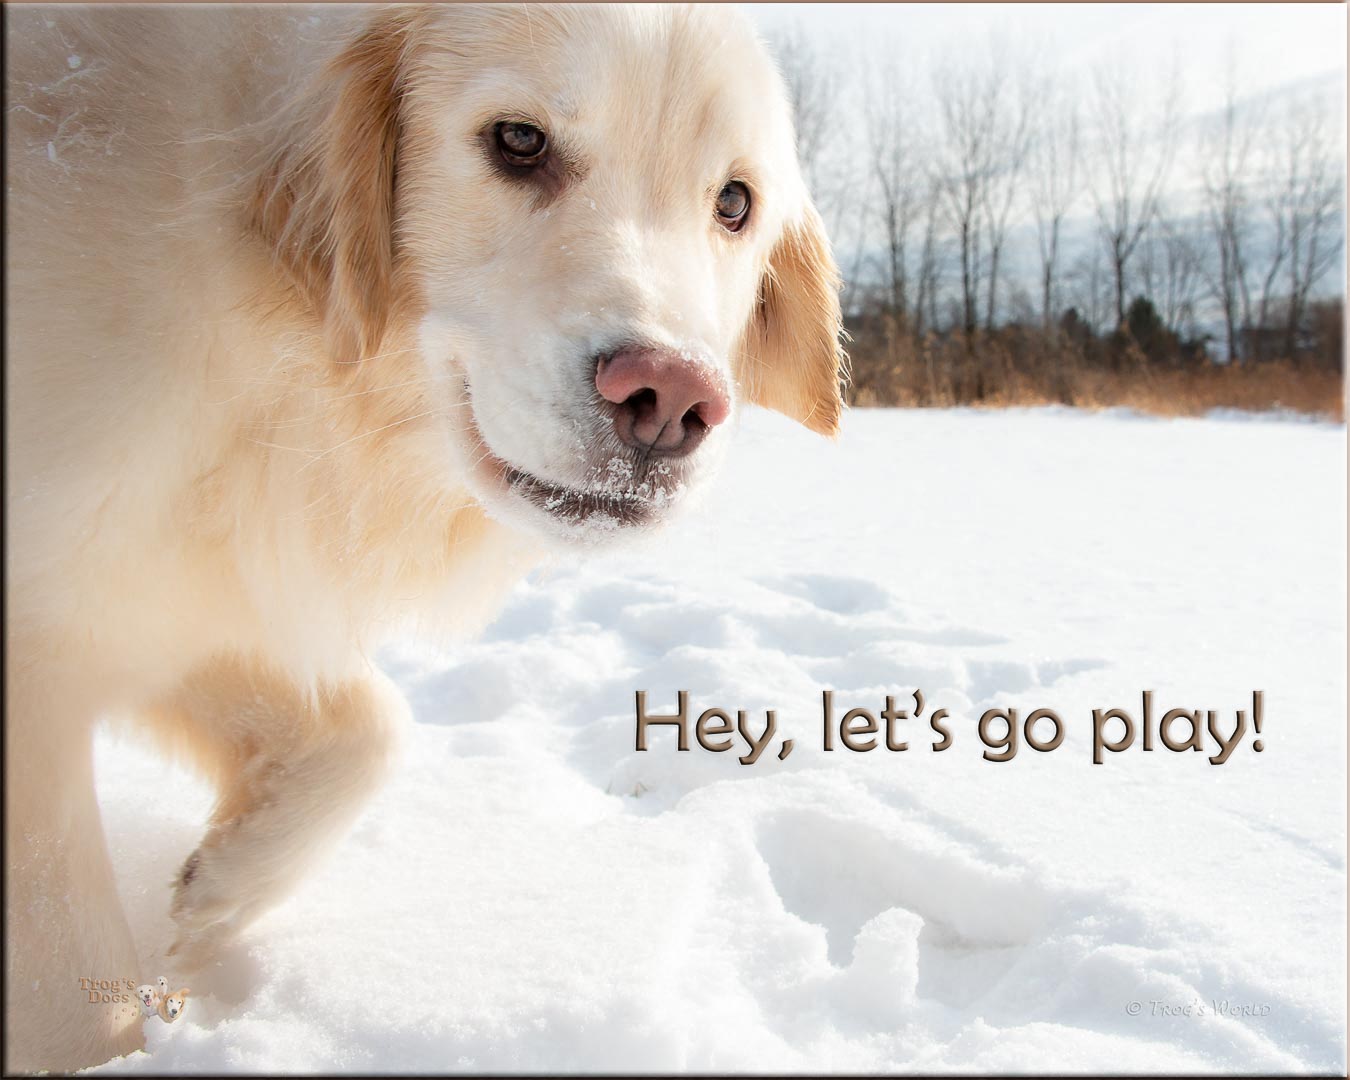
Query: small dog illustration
x,y
150,998
172,1006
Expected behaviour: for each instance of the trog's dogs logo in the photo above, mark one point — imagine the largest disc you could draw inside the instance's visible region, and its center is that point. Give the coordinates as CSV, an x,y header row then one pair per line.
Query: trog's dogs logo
x,y
157,1001
155,998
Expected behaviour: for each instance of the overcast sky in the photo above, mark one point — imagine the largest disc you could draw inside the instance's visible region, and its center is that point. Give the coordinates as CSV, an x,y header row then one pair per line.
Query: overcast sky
x,y
1273,44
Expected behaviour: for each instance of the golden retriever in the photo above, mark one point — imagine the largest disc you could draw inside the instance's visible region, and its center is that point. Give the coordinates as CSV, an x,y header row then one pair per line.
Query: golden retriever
x,y
321,320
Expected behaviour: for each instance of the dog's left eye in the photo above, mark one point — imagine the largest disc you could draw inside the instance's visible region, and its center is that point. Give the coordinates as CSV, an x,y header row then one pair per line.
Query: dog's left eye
x,y
733,206
521,144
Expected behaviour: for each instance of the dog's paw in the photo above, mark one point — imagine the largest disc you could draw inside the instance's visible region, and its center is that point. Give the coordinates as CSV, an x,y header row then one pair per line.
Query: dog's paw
x,y
206,909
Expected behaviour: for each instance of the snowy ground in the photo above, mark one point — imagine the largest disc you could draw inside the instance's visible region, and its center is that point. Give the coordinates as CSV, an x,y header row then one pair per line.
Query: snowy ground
x,y
531,894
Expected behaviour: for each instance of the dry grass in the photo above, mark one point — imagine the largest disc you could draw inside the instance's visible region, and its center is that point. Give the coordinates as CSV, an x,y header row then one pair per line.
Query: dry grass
x,y
1017,370
1276,385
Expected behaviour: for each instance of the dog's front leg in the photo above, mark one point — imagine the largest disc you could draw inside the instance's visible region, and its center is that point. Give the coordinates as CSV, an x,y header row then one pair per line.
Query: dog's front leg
x,y
294,769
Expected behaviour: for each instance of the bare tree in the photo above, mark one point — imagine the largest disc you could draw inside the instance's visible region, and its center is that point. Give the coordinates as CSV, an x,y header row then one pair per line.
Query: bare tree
x,y
821,93
1274,182
1090,288
850,236
1285,162
929,281
1308,203
964,165
1055,182
1009,104
895,143
1172,270
979,155
812,85
1225,151
1135,144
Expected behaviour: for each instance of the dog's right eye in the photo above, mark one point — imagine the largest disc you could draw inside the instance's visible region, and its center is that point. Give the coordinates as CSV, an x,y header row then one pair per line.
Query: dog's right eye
x,y
522,145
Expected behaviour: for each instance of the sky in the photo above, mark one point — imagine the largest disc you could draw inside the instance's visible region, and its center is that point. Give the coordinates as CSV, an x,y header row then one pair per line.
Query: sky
x,y
1272,44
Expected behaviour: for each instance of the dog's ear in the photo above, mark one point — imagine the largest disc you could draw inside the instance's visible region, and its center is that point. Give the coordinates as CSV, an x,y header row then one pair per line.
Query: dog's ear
x,y
793,361
324,202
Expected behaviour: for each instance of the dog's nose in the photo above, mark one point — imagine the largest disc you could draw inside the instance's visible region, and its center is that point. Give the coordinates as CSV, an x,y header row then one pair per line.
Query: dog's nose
x,y
665,401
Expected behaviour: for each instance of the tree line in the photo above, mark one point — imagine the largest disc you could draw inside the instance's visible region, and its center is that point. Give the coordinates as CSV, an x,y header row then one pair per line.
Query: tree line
x,y
994,214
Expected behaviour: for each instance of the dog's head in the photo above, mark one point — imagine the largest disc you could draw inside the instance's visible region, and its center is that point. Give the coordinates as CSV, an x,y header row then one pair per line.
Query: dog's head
x,y
147,994
594,219
174,1004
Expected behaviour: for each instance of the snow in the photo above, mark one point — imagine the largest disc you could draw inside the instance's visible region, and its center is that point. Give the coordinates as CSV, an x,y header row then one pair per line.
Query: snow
x,y
532,894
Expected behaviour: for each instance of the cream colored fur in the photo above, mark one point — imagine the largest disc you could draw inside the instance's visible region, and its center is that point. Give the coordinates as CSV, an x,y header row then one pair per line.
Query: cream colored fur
x,y
273,328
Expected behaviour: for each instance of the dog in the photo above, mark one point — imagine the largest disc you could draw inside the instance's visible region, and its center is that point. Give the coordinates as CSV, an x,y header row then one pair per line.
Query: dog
x,y
150,998
171,1006
322,322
